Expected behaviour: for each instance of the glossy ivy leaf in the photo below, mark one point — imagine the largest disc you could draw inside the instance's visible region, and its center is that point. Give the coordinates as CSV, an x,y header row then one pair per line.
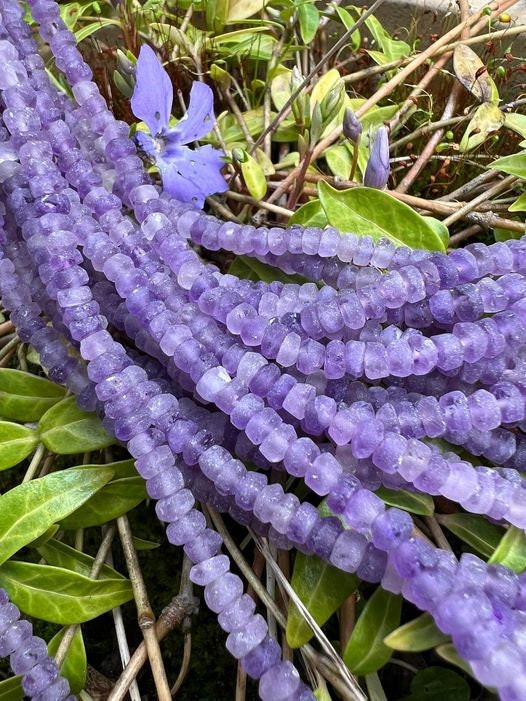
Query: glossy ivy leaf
x,y
74,667
369,212
59,595
310,214
511,551
519,205
486,121
438,684
308,18
419,634
115,499
473,75
59,554
474,530
322,589
28,510
366,651
513,165
11,689
26,397
415,503
254,177
66,430
16,443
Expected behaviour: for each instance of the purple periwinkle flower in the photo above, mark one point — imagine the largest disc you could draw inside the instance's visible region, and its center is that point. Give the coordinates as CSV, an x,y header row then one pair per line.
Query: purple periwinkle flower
x,y
189,175
378,168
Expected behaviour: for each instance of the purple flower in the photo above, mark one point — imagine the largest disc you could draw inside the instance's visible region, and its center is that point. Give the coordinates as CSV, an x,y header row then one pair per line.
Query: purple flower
x,y
189,175
378,168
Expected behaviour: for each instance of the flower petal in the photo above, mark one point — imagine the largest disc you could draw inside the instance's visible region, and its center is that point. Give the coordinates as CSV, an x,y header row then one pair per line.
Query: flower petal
x,y
146,143
199,118
190,176
153,94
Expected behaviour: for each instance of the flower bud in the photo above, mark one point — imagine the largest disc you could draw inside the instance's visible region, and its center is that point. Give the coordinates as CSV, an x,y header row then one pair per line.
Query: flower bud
x,y
352,127
332,102
239,155
378,168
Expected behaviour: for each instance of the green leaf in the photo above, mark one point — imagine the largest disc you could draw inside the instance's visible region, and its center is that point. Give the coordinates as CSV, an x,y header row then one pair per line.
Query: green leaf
x,y
58,595
26,397
440,229
419,634
519,205
348,22
516,122
74,667
486,121
280,86
16,443
241,9
369,212
31,508
437,684
449,653
474,530
473,75
61,555
309,214
115,499
366,651
11,689
511,551
93,27
322,589
216,13
374,687
415,503
254,177
309,19
65,429
266,272
339,160
513,165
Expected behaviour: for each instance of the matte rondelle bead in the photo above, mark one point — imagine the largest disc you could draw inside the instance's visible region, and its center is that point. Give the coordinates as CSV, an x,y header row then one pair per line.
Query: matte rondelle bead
x,y
242,641
222,591
263,657
238,613
348,551
279,682
204,546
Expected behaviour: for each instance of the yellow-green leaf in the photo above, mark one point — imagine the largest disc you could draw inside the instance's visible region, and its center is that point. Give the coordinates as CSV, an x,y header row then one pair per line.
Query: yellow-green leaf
x,y
26,397
511,551
322,589
241,9
419,634
369,212
414,502
61,596
473,74
16,443
519,205
254,178
28,510
74,667
366,651
65,429
486,121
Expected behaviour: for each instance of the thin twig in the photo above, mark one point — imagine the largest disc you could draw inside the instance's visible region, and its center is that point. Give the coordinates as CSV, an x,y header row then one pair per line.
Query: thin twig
x,y
470,206
145,614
